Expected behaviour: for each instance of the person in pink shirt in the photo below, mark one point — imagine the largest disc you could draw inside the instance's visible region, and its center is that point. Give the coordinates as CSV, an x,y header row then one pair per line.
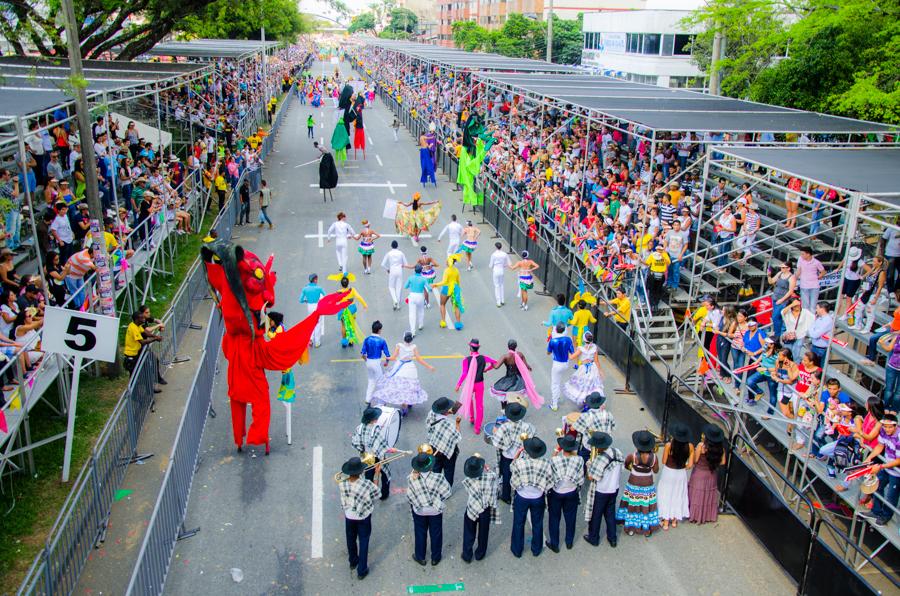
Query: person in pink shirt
x,y
809,271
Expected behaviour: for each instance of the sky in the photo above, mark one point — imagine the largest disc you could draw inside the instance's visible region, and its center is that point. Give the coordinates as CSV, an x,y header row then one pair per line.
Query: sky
x,y
319,7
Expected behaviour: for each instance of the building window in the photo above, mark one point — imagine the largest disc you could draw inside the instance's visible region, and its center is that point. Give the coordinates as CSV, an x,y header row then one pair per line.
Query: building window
x,y
668,42
683,45
651,43
686,82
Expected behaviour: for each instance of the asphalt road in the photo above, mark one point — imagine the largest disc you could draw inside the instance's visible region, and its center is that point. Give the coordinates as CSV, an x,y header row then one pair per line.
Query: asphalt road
x,y
278,518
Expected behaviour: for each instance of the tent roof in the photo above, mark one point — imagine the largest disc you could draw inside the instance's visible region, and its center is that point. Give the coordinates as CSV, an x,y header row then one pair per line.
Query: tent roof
x,y
664,109
869,171
212,48
453,58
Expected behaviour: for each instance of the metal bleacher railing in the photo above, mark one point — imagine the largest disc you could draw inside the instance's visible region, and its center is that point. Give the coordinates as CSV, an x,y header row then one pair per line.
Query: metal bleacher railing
x,y
82,521
751,480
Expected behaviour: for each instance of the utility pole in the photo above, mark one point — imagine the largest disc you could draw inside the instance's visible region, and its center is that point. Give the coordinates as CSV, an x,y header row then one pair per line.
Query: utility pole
x,y
550,33
92,186
718,47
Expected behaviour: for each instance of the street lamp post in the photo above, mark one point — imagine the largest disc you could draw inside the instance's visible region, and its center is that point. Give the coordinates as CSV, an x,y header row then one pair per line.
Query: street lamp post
x,y
550,33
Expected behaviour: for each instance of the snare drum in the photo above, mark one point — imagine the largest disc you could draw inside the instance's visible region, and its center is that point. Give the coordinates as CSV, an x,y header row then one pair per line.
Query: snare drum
x,y
389,422
487,432
569,423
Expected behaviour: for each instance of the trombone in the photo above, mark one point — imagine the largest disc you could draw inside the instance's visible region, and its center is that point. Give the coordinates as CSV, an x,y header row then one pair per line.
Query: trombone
x,y
371,461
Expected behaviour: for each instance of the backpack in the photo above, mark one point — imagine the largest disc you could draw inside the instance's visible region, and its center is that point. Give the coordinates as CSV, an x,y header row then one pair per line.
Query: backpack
x,y
846,453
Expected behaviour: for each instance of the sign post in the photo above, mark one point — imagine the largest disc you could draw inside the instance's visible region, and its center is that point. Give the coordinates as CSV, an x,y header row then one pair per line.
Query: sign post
x,y
80,335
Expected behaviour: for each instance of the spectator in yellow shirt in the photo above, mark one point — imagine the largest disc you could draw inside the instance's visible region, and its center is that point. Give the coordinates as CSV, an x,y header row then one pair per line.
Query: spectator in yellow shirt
x,y
622,313
658,261
675,193
221,187
254,141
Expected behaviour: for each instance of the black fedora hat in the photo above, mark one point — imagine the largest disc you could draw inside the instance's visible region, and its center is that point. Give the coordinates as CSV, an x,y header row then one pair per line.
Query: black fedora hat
x,y
353,467
423,462
595,400
643,440
474,467
713,433
514,411
370,414
567,443
441,405
680,432
535,447
600,440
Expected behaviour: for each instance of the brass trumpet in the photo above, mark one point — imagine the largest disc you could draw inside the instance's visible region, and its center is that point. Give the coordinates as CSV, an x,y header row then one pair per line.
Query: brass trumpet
x,y
425,448
522,437
371,461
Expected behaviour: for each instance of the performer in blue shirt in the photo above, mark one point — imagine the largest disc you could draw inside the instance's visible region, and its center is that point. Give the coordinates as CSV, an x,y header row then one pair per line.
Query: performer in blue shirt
x,y
561,348
560,314
418,287
373,349
310,296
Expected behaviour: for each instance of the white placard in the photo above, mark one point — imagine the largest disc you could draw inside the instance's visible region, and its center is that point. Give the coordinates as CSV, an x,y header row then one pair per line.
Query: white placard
x,y
83,334
390,209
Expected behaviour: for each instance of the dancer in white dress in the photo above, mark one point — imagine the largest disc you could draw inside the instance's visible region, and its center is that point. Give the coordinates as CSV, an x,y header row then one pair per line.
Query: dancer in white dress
x,y
588,378
672,484
401,386
340,230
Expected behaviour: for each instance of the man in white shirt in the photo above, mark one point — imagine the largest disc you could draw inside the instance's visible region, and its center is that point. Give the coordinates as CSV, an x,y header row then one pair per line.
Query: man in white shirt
x,y
340,230
454,232
604,471
499,263
394,262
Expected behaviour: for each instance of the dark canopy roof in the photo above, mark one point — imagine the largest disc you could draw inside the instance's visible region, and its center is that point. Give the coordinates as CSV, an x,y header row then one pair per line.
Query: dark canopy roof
x,y
459,59
869,171
32,85
664,109
212,48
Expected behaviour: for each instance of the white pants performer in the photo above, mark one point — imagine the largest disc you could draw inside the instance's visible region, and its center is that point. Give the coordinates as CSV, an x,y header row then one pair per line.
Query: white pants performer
x,y
497,276
374,371
395,284
319,331
416,311
556,381
453,247
340,251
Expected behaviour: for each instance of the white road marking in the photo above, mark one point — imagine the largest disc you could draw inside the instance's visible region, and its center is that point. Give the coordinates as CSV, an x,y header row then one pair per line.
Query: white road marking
x,y
321,125
370,141
317,512
388,185
305,164
321,234
378,159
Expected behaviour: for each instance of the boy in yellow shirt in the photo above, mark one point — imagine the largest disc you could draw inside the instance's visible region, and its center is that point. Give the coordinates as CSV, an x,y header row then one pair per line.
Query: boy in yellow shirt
x,y
580,321
658,261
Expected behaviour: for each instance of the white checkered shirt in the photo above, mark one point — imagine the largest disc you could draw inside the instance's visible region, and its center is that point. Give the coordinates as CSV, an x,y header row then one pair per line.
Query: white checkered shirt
x,y
358,497
369,438
507,434
442,433
527,471
569,468
427,490
482,495
607,462
592,421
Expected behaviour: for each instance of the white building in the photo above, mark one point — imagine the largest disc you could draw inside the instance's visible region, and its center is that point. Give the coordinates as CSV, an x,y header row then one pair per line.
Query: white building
x,y
646,46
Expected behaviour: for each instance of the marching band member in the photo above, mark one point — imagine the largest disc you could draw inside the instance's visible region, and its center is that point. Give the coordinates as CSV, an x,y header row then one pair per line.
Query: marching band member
x,y
444,436
358,502
427,492
369,438
531,478
568,472
508,441
374,348
597,418
604,473
394,262
481,507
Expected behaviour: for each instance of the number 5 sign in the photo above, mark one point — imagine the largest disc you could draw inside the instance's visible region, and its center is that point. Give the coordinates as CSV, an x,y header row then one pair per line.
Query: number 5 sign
x,y
80,334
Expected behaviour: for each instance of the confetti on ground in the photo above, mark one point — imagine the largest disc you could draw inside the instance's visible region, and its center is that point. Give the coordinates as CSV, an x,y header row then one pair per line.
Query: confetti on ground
x,y
122,493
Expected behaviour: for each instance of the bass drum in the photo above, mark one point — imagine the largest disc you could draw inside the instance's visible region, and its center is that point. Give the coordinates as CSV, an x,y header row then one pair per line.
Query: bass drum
x,y
389,422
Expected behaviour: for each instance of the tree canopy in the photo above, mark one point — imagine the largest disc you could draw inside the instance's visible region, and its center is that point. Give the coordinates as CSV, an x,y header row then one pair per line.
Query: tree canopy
x,y
219,20
837,56
362,22
521,37
403,20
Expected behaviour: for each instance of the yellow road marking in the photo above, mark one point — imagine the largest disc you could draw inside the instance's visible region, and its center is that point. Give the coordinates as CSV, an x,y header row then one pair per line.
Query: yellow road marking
x,y
445,357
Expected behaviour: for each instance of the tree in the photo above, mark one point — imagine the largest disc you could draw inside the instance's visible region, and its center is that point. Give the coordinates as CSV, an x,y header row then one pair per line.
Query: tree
x,y
567,40
521,37
219,20
362,22
403,20
469,36
127,28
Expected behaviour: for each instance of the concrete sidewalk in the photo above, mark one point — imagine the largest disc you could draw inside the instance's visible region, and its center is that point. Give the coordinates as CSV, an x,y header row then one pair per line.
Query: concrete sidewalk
x,y
109,567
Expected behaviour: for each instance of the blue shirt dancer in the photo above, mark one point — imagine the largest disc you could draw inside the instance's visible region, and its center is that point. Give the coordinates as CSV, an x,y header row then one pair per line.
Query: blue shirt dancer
x,y
374,348
561,349
310,296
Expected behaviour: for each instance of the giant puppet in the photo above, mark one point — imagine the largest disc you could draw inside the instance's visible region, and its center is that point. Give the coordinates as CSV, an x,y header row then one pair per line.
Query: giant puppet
x,y
246,286
476,143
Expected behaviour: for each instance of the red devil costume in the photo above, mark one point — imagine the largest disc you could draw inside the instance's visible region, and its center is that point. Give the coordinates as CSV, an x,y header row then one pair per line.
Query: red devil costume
x,y
245,287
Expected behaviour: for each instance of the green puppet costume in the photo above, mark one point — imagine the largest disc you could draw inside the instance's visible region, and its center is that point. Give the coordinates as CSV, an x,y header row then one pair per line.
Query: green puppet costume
x,y
339,140
475,145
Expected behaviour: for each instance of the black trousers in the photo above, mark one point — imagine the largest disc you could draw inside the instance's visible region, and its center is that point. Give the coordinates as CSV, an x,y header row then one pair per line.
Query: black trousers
x,y
505,475
604,508
559,506
479,528
445,464
385,483
423,527
358,532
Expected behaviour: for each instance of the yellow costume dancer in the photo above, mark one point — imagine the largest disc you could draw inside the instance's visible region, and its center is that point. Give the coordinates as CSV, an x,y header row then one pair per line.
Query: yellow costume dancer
x,y
350,333
451,291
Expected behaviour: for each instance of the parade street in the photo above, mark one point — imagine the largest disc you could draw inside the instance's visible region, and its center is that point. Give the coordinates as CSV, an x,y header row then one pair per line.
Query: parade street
x,y
278,519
